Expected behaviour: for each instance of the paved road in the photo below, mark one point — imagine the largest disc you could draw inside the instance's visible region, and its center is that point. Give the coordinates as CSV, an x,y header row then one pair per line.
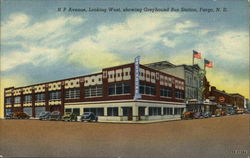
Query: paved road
x,y
226,136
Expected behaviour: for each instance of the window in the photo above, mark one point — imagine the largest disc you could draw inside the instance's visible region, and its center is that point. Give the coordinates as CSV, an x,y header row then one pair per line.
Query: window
x,y
96,111
142,111
17,100
147,89
68,110
27,99
168,111
178,111
55,95
8,100
40,97
112,111
166,92
154,111
93,91
76,111
72,93
119,88
179,94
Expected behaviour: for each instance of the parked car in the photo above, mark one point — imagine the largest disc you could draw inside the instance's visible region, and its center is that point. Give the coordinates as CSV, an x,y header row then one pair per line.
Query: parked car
x,y
187,115
69,116
197,115
55,115
217,112
20,115
239,111
45,115
223,112
9,115
247,111
231,112
207,114
89,116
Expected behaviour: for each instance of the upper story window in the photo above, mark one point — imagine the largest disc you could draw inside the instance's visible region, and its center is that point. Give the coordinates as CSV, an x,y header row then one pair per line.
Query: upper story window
x,y
55,95
93,91
119,88
17,100
27,99
40,97
147,89
179,94
72,93
8,100
166,92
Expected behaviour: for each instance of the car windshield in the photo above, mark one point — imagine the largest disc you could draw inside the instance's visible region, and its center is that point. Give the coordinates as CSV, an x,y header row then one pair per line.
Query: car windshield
x,y
87,113
55,113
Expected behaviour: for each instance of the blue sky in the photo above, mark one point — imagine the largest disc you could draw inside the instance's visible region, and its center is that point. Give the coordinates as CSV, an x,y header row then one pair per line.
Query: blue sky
x,y
40,44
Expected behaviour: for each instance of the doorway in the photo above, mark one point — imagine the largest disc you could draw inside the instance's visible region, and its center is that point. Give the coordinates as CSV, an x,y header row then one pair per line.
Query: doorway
x,y
128,111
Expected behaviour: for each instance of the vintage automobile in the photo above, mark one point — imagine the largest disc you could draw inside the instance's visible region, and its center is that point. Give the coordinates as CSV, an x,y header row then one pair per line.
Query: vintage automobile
x,y
231,112
55,116
69,116
197,115
20,115
207,114
9,115
223,112
89,116
45,115
239,111
217,112
187,115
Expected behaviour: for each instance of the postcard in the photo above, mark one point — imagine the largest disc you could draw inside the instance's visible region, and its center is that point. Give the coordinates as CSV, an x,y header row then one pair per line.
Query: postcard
x,y
142,78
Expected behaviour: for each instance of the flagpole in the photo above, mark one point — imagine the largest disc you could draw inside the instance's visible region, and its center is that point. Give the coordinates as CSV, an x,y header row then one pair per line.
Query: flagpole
x,y
193,59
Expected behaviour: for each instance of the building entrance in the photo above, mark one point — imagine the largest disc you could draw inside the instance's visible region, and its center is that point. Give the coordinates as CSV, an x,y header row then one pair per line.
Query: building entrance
x,y
128,111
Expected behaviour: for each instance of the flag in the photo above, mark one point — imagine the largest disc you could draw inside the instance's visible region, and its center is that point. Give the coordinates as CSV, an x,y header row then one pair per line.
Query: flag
x,y
196,54
208,63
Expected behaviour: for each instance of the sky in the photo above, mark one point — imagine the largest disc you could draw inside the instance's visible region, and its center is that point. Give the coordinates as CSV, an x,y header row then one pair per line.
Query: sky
x,y
39,43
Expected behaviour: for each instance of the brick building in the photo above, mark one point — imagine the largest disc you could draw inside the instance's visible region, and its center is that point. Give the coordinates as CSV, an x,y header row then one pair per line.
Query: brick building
x,y
110,94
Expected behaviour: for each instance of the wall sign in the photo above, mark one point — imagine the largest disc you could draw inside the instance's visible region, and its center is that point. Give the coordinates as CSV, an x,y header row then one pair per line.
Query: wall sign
x,y
137,78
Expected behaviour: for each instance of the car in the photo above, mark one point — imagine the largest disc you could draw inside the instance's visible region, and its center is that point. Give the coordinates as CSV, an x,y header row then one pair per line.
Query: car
x,y
55,116
207,114
69,116
231,112
187,115
197,115
239,111
44,115
247,111
20,115
9,115
217,112
223,112
89,116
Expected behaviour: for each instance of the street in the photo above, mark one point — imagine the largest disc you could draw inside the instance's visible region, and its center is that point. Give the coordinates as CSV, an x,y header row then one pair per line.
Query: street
x,y
218,137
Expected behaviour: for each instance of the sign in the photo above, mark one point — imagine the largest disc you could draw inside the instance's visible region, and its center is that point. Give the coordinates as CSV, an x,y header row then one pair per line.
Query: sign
x,y
137,78
211,97
221,99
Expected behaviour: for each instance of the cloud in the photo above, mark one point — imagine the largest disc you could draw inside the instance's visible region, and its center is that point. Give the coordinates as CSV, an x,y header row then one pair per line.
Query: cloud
x,y
138,34
38,43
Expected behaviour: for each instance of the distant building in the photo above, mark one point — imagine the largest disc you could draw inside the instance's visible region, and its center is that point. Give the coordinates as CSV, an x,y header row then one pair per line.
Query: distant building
x,y
190,73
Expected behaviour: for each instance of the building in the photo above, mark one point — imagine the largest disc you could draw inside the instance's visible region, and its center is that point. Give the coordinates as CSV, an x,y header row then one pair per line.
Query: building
x,y
190,73
238,100
117,93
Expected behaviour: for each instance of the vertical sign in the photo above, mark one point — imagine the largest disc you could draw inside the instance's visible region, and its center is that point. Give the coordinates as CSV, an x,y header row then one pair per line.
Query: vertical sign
x,y
137,78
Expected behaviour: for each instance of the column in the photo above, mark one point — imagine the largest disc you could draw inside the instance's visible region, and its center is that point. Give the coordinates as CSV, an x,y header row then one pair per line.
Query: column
x,y
120,113
105,111
146,113
135,113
